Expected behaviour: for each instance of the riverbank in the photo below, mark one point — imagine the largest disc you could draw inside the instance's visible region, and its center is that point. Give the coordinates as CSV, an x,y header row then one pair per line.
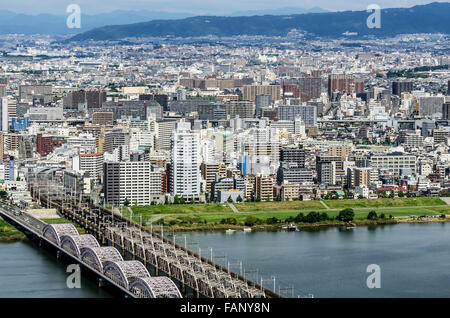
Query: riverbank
x,y
300,226
9,233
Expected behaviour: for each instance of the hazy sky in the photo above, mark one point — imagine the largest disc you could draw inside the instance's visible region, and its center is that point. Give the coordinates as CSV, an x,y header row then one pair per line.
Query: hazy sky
x,y
194,6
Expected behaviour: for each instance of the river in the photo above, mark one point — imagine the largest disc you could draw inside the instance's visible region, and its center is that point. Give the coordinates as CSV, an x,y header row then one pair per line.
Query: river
x,y
414,261
30,272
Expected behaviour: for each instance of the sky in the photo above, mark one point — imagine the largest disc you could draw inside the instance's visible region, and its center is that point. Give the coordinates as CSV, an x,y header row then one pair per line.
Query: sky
x,y
217,7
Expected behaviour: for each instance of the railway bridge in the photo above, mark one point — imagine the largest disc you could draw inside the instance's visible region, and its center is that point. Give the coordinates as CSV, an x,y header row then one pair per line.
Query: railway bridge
x,y
194,275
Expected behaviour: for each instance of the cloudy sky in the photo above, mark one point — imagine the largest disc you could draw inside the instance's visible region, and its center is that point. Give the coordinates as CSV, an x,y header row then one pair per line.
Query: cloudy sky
x,y
194,6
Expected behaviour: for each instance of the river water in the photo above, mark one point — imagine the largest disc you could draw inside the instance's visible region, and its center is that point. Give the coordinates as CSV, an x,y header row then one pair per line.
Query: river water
x,y
30,272
414,261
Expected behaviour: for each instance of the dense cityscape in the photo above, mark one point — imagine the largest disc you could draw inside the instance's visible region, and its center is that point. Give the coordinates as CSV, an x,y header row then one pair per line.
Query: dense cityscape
x,y
244,166
209,121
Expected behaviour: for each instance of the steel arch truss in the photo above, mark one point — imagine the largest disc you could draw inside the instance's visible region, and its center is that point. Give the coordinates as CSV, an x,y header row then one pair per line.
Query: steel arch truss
x,y
154,287
123,272
98,256
55,232
74,243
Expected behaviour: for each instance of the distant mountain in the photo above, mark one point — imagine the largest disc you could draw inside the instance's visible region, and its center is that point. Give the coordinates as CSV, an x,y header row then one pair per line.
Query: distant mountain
x,y
280,11
430,18
11,22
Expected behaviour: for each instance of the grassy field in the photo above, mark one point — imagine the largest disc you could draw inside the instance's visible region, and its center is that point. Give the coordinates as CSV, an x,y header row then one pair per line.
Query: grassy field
x,y
181,208
388,202
294,207
278,206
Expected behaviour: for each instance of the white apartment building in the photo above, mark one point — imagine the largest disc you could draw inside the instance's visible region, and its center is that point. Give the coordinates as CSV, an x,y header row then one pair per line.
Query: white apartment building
x,y
136,181
185,162
91,163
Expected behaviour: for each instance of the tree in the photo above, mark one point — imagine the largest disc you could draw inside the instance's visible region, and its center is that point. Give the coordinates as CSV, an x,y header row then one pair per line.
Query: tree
x,y
346,215
401,194
272,220
230,220
382,216
391,194
176,199
258,199
230,200
299,218
239,199
126,202
251,220
312,217
372,215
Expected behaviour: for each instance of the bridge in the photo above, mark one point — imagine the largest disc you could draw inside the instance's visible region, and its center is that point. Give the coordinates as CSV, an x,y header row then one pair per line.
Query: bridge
x,y
128,278
194,275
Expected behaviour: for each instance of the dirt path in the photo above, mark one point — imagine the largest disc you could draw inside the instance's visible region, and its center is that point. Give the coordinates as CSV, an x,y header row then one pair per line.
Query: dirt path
x,y
325,205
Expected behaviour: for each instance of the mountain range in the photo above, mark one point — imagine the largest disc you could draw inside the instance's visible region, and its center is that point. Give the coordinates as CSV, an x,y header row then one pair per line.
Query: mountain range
x,y
18,23
430,18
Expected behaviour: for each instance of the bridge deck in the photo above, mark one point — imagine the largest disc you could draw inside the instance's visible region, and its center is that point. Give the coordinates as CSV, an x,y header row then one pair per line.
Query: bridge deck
x,y
199,273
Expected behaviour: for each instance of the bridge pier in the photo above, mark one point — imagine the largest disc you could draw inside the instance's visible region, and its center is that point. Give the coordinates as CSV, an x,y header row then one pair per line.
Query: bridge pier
x,y
101,282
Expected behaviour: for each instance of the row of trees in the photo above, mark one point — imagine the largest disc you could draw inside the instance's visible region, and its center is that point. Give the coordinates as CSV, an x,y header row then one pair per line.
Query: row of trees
x,y
346,215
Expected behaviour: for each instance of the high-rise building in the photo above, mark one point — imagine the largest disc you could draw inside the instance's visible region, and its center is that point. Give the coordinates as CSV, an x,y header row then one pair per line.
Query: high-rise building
x,y
440,136
44,144
116,138
326,172
262,101
293,154
136,181
91,98
4,118
264,187
399,87
185,175
2,146
2,90
431,106
26,92
90,163
311,87
249,92
307,113
446,110
241,108
344,83
103,118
